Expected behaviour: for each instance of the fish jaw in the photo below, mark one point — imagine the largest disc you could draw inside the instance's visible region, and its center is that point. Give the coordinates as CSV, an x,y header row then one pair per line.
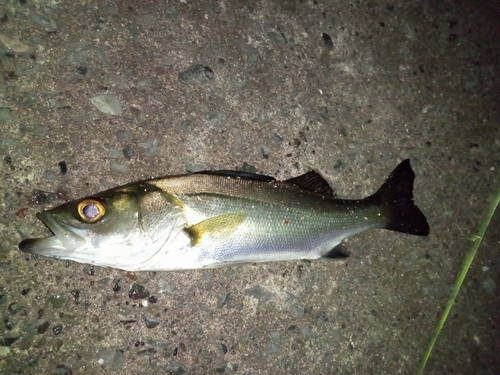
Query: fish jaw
x,y
42,246
60,245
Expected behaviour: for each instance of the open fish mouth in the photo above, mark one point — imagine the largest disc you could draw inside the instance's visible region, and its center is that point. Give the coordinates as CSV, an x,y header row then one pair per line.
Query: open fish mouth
x,y
64,240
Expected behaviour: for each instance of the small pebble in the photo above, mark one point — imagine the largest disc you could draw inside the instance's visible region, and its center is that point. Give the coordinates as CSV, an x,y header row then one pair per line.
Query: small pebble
x,y
164,286
13,44
63,168
223,348
8,341
124,135
248,168
261,120
42,328
50,175
118,167
264,151
47,23
275,336
63,370
114,359
328,41
277,137
131,275
108,104
150,147
76,295
152,299
223,300
489,285
305,332
83,70
155,99
138,115
57,300
253,55
259,293
6,114
237,84
197,74
57,329
150,323
114,153
297,310
116,81
128,152
221,367
138,292
193,167
22,212
27,69
60,146
184,125
216,120
150,82
173,368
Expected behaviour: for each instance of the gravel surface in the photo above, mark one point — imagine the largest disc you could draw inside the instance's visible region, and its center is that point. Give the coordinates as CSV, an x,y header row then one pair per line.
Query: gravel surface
x,y
95,94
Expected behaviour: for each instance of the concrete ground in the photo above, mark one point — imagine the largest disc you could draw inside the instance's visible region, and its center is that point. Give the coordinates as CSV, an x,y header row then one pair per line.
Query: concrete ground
x,y
99,93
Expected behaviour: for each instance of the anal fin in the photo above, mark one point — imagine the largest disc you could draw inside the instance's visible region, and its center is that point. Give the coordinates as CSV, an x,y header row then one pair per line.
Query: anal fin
x,y
337,253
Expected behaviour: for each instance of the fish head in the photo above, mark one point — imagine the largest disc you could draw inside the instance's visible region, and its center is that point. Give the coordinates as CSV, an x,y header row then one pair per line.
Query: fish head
x,y
104,229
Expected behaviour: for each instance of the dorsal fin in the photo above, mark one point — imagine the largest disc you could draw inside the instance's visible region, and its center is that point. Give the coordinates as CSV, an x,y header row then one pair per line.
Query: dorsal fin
x,y
239,174
312,181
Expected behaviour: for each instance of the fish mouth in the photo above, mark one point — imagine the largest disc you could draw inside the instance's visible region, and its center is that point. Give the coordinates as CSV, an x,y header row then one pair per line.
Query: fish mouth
x,y
65,239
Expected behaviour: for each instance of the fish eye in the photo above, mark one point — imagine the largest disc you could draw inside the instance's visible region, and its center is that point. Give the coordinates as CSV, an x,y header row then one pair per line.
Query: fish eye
x,y
91,210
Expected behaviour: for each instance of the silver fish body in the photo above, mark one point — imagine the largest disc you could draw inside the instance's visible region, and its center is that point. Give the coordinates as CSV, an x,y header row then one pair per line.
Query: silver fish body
x,y
221,218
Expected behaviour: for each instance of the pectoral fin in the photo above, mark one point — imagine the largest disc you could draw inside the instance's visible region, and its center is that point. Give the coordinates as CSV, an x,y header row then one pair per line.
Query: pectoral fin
x,y
217,227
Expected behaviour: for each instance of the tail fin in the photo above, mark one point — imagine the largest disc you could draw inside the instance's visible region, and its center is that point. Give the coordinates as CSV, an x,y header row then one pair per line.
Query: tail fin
x,y
396,196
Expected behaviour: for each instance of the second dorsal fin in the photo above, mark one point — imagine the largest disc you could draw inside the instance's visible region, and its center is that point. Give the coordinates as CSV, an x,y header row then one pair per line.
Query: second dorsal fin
x,y
312,181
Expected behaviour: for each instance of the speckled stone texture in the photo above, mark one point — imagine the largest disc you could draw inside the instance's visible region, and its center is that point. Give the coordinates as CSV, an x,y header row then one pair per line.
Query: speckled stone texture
x,y
99,93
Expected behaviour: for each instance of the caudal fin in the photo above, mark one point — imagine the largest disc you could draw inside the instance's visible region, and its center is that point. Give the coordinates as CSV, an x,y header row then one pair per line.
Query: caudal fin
x,y
396,196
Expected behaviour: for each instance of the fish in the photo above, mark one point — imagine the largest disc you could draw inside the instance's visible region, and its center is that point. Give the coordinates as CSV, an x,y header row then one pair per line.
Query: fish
x,y
213,219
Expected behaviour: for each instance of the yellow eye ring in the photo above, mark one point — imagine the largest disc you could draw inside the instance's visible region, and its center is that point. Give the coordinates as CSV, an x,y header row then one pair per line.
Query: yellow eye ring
x,y
91,210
